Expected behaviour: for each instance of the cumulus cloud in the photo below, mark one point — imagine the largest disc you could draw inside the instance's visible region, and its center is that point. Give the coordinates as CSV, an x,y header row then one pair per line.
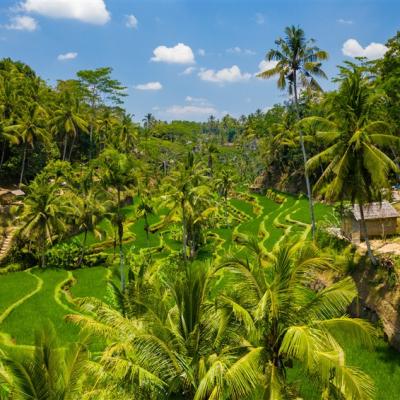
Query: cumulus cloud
x,y
353,48
265,65
67,56
201,52
179,54
22,23
260,19
131,21
225,75
91,11
345,21
188,71
239,50
149,86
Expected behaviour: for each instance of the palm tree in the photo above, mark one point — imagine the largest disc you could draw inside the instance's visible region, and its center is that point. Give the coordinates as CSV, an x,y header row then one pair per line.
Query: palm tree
x,y
6,138
356,169
224,184
68,121
176,344
30,128
145,209
89,212
211,149
298,61
189,199
49,371
117,173
287,321
44,214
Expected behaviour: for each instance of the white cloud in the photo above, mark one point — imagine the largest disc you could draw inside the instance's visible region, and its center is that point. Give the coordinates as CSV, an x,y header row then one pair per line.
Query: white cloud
x,y
131,21
22,23
260,19
238,50
188,71
190,110
198,101
266,65
345,21
67,56
352,48
201,52
179,54
225,75
149,86
91,11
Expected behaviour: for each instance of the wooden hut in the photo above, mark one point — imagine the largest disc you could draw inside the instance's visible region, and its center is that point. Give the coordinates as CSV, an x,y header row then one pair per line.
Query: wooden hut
x,y
380,220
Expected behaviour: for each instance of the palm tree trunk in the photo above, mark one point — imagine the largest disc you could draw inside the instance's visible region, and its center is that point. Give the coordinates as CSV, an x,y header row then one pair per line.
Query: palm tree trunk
x,y
65,147
184,234
365,234
120,238
3,152
303,150
71,148
23,164
146,228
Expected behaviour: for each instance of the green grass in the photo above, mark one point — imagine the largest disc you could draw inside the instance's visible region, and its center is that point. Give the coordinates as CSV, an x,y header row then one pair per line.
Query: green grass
x,y
14,286
90,282
38,310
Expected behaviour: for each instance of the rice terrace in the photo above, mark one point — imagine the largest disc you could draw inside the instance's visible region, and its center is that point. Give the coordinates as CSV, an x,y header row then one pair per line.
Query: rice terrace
x,y
199,212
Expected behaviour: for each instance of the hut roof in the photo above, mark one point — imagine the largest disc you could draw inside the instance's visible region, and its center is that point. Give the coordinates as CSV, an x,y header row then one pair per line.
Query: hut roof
x,y
375,211
18,192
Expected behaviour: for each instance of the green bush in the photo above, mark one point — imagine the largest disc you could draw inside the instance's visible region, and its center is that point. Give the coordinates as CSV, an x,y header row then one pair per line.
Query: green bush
x,y
71,255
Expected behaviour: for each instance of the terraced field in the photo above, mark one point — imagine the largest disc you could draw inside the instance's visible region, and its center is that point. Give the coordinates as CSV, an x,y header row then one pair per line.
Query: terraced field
x,y
35,296
28,299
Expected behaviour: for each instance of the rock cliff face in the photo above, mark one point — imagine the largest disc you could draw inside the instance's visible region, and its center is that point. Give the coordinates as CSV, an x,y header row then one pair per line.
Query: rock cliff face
x,y
379,302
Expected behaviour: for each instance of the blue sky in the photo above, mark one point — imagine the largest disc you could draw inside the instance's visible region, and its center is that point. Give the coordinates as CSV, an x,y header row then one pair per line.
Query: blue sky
x,y
185,59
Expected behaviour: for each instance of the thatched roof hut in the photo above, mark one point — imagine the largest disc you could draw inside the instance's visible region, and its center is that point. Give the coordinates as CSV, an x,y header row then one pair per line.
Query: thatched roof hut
x,y
380,220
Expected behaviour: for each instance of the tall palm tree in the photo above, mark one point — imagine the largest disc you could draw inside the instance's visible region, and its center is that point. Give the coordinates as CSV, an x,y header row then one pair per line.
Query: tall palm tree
x,y
356,167
44,214
6,139
189,198
298,62
30,128
117,173
289,322
68,122
223,184
49,371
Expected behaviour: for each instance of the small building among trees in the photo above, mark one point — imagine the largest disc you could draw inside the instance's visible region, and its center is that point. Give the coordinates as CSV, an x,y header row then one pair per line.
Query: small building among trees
x,y
380,220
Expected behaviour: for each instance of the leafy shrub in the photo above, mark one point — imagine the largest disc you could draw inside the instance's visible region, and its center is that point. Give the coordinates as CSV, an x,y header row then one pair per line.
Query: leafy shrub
x,y
71,255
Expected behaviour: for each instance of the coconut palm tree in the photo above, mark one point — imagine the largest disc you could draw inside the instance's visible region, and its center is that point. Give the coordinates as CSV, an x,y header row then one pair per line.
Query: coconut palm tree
x,y
189,199
179,345
30,129
356,167
68,122
116,172
289,322
144,210
44,214
6,139
298,62
49,371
